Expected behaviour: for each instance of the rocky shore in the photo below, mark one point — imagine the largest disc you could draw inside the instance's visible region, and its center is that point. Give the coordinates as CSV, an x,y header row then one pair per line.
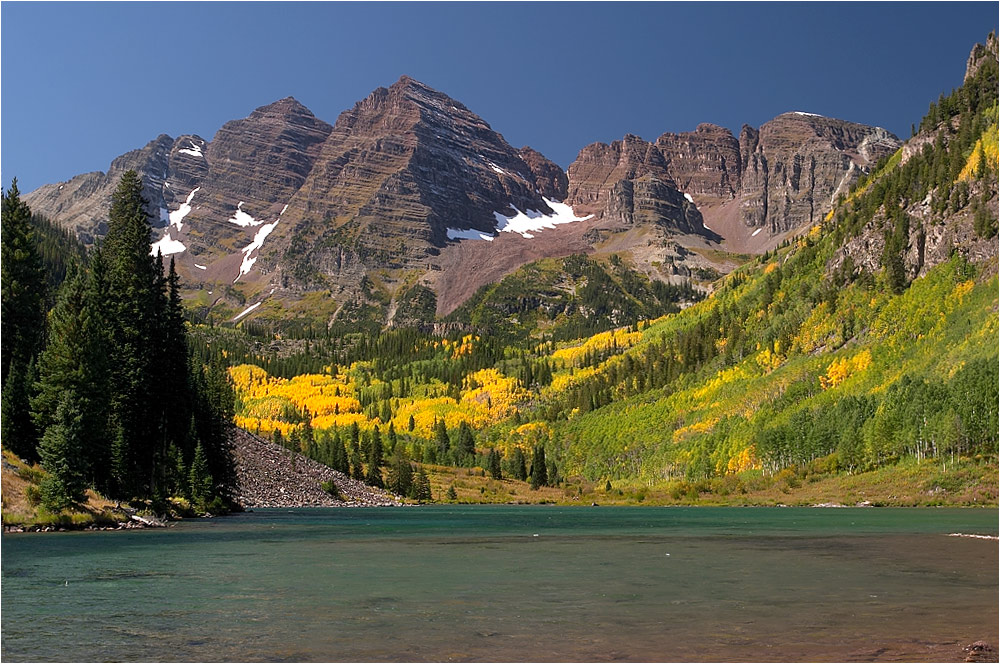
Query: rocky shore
x,y
268,475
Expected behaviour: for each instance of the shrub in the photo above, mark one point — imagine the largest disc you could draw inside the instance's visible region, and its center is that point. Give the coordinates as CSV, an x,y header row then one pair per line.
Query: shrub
x,y
33,495
331,488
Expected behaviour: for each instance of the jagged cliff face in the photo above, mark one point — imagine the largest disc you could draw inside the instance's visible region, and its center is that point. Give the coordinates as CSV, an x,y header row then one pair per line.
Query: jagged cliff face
x,y
406,181
401,168
796,165
784,176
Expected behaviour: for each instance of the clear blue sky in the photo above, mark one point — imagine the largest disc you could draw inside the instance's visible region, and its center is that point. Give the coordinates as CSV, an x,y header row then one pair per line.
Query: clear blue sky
x,y
84,82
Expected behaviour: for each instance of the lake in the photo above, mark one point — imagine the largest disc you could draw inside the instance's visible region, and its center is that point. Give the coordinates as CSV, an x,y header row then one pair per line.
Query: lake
x,y
510,583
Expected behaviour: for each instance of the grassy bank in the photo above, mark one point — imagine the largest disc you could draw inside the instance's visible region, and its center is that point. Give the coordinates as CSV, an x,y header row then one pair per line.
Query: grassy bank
x,y
967,482
20,486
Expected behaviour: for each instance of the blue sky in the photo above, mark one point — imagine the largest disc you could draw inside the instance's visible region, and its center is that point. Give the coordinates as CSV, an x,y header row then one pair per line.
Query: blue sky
x,y
84,82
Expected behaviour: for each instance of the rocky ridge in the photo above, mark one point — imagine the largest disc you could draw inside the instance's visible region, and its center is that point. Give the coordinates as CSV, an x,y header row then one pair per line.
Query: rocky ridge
x,y
268,475
281,204
784,176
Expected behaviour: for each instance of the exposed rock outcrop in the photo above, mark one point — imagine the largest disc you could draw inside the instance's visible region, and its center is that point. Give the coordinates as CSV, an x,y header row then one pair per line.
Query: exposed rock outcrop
x,y
550,179
268,475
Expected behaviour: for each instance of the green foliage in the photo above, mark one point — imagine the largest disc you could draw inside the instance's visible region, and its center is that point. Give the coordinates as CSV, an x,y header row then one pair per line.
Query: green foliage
x,y
330,487
200,479
22,285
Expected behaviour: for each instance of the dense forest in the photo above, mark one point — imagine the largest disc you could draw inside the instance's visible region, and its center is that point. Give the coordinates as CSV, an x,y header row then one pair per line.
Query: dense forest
x,y
99,381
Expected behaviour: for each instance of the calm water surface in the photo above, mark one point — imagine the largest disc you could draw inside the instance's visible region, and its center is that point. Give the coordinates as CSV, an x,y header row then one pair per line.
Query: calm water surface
x,y
506,583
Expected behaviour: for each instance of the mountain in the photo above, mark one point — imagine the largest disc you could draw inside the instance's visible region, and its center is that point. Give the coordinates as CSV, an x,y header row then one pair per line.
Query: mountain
x,y
859,357
784,176
411,187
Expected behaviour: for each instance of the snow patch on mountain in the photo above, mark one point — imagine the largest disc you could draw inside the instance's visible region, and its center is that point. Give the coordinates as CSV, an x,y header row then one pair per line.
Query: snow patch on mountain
x,y
241,218
177,216
194,150
166,246
468,234
258,242
524,223
246,311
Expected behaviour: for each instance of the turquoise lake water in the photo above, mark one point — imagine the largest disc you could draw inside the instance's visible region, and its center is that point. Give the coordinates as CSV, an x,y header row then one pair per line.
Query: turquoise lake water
x,y
509,583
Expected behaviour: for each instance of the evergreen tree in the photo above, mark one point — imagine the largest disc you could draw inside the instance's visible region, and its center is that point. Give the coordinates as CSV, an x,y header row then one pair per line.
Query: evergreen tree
x,y
22,285
17,431
135,311
421,490
357,469
517,465
441,437
391,439
466,449
374,474
539,475
400,475
493,463
338,455
75,362
200,479
62,450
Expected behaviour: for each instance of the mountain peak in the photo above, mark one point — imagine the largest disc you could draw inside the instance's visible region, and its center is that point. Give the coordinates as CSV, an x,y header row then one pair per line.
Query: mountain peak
x,y
288,106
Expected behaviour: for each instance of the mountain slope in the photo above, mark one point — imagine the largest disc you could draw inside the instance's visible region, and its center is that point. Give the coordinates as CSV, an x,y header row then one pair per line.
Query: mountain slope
x,y
411,186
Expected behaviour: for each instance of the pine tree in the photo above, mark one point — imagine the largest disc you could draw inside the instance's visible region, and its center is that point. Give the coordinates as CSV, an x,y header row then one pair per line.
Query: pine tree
x,y
136,305
400,475
17,431
62,450
466,450
374,475
75,363
391,439
357,470
199,479
22,285
493,461
421,490
517,465
441,436
539,475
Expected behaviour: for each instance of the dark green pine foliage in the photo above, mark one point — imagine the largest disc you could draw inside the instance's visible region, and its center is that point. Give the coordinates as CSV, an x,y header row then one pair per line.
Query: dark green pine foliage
x,y
465,451
400,475
421,489
200,479
442,439
58,249
173,389
357,469
539,475
22,285
17,430
493,465
63,451
374,475
518,465
22,298
135,309
75,362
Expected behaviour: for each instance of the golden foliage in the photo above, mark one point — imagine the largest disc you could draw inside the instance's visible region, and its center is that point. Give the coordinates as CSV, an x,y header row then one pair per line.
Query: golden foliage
x,y
985,148
620,338
843,368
